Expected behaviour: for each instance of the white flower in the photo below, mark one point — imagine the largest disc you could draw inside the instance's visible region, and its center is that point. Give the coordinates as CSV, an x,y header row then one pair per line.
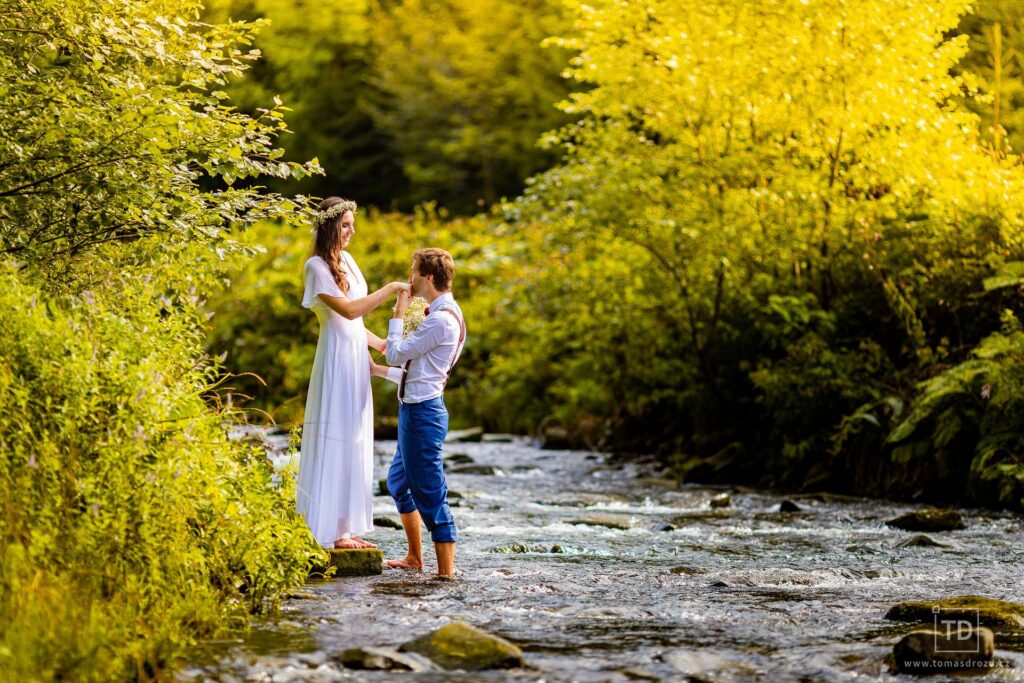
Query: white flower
x,y
414,316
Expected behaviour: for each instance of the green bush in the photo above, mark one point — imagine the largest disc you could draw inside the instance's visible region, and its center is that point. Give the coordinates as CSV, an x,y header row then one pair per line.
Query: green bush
x,y
129,522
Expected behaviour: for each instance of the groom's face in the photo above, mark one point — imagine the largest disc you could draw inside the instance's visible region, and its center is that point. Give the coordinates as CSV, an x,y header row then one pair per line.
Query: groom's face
x,y
418,282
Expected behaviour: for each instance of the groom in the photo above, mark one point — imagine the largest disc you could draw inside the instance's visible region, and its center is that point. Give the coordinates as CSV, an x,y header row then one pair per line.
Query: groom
x,y
416,478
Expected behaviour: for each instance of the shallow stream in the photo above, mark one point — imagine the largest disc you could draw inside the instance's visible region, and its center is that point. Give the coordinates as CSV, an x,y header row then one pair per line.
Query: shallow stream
x,y
738,593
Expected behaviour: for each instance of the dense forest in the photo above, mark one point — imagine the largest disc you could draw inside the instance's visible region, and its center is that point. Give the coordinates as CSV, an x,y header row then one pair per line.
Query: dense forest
x,y
779,244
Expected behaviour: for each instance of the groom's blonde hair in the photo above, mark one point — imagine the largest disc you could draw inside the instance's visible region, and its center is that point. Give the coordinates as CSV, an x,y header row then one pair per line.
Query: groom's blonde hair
x,y
436,262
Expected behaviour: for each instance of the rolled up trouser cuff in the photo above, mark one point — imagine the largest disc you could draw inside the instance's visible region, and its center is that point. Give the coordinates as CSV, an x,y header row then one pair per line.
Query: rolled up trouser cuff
x,y
444,533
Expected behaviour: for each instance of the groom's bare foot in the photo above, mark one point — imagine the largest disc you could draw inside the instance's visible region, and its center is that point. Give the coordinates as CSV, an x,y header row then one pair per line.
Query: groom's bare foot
x,y
408,563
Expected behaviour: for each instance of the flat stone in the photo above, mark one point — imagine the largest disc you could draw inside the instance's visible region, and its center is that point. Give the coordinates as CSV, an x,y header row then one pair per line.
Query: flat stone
x,y
928,520
930,651
922,541
382,659
459,459
357,561
606,521
489,470
461,646
387,522
662,526
789,506
499,438
473,434
988,611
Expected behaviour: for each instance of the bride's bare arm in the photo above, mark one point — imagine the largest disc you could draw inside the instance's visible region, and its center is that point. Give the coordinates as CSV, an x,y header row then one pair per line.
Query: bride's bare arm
x,y
357,308
375,342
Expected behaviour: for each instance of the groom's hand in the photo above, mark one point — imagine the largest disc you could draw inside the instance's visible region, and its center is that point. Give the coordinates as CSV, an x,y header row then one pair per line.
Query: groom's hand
x,y
401,304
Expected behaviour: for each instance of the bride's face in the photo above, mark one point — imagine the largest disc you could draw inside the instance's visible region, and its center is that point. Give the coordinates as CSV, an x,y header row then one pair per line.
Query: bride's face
x,y
347,228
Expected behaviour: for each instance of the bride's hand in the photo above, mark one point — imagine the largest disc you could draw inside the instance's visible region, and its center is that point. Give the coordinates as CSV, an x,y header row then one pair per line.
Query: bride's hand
x,y
401,304
402,287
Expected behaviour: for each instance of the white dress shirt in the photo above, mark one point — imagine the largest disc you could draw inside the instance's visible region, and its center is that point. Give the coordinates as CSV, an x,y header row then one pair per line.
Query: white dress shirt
x,y
432,348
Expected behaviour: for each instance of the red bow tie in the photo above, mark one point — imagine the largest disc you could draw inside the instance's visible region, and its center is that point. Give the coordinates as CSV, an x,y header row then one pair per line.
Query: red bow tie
x,y
426,311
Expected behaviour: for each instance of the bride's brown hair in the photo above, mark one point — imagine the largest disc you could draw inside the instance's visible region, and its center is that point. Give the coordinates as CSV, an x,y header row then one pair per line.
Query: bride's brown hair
x,y
327,243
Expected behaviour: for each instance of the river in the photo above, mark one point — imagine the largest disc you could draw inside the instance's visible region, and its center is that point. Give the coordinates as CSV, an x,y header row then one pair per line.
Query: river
x,y
738,593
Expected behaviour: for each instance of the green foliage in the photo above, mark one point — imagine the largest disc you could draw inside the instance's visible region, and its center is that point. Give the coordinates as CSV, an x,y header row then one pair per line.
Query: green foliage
x,y
466,90
781,190
129,522
967,419
318,59
116,129
996,61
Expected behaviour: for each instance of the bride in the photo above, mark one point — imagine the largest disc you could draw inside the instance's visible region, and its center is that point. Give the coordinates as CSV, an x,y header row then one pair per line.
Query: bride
x,y
336,460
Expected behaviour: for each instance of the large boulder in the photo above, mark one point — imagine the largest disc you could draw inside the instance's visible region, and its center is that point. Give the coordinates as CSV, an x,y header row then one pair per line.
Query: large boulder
x,y
929,651
461,646
357,561
987,611
928,520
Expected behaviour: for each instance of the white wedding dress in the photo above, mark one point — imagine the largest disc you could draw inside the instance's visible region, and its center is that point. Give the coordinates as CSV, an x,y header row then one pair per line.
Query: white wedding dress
x,y
336,461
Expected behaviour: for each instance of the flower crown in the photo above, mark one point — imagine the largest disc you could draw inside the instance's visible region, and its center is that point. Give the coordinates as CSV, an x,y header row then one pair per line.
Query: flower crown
x,y
321,217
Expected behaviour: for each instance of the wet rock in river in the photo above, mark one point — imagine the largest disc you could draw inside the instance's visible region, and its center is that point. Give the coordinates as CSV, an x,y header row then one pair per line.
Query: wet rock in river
x,y
382,659
662,526
688,571
789,506
461,646
459,459
499,438
987,611
518,548
382,487
487,470
387,522
930,651
473,434
722,500
922,541
606,521
357,561
928,520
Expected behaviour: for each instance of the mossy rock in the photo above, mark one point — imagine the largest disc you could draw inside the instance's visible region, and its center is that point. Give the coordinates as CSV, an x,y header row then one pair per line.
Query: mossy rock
x,y
990,612
928,520
461,646
357,561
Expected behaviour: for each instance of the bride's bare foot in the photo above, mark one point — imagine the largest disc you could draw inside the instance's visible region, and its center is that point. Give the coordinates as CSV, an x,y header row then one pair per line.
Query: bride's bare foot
x,y
347,544
407,563
362,543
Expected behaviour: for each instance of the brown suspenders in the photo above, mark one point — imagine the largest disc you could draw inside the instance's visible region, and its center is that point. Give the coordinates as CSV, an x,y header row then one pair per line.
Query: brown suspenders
x,y
458,352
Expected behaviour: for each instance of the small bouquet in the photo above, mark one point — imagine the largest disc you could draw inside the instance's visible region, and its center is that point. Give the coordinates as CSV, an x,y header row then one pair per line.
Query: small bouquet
x,y
414,316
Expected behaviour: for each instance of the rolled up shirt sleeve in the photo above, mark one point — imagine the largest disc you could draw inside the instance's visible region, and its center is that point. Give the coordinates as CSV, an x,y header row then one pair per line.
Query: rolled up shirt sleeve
x,y
395,375
421,341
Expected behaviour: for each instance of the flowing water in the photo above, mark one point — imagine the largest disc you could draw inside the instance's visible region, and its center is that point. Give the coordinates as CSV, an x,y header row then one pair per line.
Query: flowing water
x,y
739,593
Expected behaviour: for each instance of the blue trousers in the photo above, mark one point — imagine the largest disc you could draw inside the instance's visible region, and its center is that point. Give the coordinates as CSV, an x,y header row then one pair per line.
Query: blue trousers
x,y
416,478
